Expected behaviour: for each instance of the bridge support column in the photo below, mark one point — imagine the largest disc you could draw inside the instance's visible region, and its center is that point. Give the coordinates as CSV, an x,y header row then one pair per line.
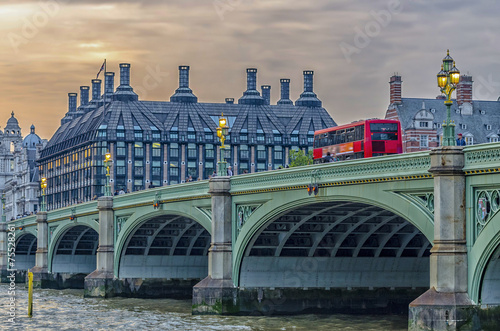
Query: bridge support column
x,y
100,282
40,271
446,305
217,294
3,253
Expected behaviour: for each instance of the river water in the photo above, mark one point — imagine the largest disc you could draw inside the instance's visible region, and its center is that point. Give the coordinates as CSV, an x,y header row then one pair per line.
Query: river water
x,y
68,310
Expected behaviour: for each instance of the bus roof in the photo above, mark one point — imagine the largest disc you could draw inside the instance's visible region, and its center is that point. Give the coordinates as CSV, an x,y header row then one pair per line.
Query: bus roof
x,y
354,124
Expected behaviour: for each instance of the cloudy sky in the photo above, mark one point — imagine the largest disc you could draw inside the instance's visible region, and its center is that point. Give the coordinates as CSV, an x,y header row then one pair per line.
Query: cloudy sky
x,y
50,47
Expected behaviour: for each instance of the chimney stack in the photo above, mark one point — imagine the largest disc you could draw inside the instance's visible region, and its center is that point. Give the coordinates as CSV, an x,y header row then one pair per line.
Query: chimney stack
x,y
84,95
464,90
125,92
251,96
109,86
230,101
395,89
285,92
308,98
184,93
72,102
96,90
124,74
266,94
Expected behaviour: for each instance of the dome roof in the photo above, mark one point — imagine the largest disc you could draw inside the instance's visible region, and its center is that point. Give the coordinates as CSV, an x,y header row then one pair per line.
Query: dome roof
x,y
12,124
31,140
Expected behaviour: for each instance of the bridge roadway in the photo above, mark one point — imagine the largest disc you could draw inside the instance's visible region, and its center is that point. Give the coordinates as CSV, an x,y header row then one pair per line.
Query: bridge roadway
x,y
260,243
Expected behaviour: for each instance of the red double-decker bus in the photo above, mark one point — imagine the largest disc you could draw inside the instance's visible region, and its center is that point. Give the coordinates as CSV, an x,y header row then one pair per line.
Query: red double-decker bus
x,y
358,140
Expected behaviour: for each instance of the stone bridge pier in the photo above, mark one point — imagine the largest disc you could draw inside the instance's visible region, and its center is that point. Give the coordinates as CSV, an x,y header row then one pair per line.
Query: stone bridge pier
x,y
446,305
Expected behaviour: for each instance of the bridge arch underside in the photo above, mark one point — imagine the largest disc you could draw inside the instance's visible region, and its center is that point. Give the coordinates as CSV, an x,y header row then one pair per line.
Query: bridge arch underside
x,y
75,252
338,244
26,252
490,286
166,247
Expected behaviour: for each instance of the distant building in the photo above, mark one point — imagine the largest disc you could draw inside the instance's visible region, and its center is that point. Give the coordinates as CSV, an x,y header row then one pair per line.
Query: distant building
x,y
164,142
422,119
19,179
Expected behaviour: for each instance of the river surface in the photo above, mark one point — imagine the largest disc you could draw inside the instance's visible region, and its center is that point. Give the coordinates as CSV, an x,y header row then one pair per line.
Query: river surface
x,y
68,310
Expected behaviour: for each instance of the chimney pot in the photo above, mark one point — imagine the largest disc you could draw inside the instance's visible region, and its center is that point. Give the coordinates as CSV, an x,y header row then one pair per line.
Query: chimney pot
x,y
72,102
125,74
251,96
110,85
266,93
96,89
308,98
184,93
230,101
84,95
285,92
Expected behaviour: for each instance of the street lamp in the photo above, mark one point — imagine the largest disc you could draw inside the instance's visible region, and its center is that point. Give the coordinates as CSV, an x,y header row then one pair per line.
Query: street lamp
x,y
448,79
222,130
107,159
43,185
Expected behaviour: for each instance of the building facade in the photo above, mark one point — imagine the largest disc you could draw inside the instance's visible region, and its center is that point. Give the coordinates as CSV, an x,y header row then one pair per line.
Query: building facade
x,y
421,119
19,180
154,143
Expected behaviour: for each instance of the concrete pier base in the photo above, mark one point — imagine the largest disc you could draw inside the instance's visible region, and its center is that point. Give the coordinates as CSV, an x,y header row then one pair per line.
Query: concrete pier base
x,y
443,311
215,297
99,284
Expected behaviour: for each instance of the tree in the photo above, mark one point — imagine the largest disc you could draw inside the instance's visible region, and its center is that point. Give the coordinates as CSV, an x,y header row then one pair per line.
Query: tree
x,y
299,158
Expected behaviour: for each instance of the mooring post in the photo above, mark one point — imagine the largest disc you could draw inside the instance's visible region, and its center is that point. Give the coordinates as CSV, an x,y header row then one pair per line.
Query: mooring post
x,y
446,305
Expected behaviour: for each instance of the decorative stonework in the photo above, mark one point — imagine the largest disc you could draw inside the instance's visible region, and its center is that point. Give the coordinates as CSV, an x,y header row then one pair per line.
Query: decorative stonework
x,y
424,199
51,232
243,213
206,211
487,204
119,224
399,167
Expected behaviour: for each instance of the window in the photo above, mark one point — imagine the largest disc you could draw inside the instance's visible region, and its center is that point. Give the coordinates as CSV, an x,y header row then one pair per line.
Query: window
x,y
310,139
488,127
209,151
295,139
138,168
244,138
174,150
192,152
469,140
138,135
463,126
261,152
493,139
277,139
138,149
244,153
156,135
120,167
174,135
424,140
260,138
156,150
278,153
120,148
424,124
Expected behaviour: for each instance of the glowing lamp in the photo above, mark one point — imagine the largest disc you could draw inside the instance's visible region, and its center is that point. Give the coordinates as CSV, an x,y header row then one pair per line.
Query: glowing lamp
x,y
107,156
442,79
454,75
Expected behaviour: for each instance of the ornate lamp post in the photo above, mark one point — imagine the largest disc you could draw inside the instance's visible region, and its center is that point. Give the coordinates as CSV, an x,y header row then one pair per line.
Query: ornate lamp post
x,y
448,79
222,130
107,159
43,185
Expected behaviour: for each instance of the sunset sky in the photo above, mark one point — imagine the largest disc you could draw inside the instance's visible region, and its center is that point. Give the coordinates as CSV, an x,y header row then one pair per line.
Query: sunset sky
x,y
50,47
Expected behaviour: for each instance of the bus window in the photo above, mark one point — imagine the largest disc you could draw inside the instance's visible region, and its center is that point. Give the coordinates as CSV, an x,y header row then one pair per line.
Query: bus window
x,y
384,136
359,133
383,127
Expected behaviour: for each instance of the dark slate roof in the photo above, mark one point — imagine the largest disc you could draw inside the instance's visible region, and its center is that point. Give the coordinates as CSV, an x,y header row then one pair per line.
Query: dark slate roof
x,y
184,117
483,113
